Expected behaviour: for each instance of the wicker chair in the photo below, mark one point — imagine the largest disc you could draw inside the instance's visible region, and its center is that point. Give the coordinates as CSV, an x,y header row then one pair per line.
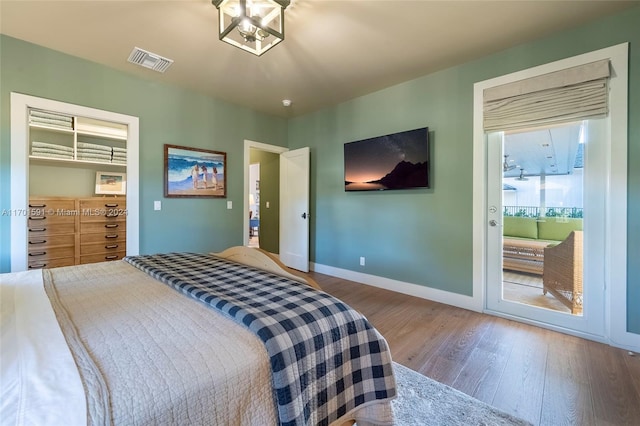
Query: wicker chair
x,y
562,272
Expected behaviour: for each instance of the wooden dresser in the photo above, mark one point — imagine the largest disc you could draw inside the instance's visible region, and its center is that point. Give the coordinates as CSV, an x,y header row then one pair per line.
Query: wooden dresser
x,y
71,231
52,232
103,226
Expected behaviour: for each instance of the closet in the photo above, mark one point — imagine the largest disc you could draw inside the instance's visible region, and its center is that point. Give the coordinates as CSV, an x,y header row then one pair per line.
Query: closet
x,y
64,229
75,198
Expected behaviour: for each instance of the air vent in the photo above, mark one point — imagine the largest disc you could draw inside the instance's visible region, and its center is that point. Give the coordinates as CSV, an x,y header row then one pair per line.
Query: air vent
x,y
149,60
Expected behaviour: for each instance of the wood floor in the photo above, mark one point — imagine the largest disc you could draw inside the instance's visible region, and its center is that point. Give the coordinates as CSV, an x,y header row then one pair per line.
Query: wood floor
x,y
545,377
527,289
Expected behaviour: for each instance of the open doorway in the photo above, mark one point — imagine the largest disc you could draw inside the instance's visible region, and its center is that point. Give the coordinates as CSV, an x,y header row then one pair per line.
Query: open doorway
x,y
254,205
261,212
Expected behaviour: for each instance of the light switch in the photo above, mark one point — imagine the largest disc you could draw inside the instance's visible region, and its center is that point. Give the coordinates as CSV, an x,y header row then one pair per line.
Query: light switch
x,y
229,205
267,204
157,205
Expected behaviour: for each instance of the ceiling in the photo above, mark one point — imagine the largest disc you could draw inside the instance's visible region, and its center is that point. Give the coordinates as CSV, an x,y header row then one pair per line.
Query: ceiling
x,y
333,51
552,151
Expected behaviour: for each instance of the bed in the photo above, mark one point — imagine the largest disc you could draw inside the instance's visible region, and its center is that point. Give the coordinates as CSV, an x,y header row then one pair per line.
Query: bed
x,y
145,341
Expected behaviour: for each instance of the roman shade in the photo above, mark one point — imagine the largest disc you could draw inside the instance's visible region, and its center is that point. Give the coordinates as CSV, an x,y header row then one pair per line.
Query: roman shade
x,y
571,94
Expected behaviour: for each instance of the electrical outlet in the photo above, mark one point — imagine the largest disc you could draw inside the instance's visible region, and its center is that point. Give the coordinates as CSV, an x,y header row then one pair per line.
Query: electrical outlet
x,y
361,261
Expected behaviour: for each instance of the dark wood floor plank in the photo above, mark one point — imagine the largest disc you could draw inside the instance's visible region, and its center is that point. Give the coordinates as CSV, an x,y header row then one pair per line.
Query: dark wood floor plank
x,y
545,377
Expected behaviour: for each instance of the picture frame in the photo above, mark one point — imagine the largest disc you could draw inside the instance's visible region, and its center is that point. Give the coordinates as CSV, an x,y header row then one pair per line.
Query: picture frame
x,y
194,172
111,183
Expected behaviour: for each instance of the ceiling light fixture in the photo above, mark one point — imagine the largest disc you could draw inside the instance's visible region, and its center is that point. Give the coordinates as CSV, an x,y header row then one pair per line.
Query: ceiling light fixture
x,y
252,25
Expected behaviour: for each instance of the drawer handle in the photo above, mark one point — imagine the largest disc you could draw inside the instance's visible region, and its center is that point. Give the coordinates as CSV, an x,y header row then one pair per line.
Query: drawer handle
x,y
111,246
111,205
37,218
111,225
37,229
111,215
37,266
37,206
111,236
38,242
113,256
39,253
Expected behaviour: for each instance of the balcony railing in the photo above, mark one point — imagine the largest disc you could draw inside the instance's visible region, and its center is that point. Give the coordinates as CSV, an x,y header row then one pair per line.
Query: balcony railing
x,y
531,211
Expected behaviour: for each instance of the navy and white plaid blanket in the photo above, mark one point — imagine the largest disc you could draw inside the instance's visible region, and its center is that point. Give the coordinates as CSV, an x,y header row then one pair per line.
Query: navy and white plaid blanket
x,y
325,357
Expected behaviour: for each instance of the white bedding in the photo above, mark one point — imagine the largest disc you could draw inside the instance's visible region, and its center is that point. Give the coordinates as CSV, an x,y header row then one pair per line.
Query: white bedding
x,y
42,385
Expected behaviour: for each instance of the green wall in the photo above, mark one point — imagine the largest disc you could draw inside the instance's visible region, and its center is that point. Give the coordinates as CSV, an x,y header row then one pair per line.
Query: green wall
x,y
167,115
425,236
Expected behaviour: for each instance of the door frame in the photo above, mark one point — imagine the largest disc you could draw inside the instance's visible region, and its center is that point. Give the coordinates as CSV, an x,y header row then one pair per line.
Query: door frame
x,y
20,104
248,145
615,261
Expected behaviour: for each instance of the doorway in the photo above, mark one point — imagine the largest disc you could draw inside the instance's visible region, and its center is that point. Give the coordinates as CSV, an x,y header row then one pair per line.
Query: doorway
x,y
546,262
614,191
286,207
261,170
254,205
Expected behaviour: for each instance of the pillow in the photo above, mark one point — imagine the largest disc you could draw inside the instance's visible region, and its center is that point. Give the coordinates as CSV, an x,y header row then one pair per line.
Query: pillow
x,y
557,228
522,227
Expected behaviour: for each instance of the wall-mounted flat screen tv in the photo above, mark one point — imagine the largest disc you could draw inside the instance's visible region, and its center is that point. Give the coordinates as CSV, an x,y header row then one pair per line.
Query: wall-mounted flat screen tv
x,y
396,161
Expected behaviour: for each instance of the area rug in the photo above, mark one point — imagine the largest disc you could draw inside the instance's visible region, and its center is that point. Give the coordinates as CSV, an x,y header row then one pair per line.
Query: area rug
x,y
422,401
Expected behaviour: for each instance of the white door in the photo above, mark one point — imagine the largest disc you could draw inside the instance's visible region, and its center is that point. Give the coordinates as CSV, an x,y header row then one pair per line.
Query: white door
x,y
294,209
591,320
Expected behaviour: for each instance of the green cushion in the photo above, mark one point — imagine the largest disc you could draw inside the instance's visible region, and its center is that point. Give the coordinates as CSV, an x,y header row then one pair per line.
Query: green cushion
x,y
557,228
523,227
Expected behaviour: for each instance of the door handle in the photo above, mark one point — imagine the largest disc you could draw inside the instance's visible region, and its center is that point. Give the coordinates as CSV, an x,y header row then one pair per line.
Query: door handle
x,y
493,222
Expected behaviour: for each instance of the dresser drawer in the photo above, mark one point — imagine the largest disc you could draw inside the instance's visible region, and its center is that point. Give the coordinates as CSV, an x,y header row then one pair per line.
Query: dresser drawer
x,y
113,226
103,203
43,241
94,258
105,236
42,254
38,229
102,248
51,263
45,207
49,220
102,218
103,209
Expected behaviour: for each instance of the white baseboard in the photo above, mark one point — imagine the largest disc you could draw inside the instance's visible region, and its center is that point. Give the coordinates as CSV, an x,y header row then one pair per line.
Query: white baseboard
x,y
440,296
